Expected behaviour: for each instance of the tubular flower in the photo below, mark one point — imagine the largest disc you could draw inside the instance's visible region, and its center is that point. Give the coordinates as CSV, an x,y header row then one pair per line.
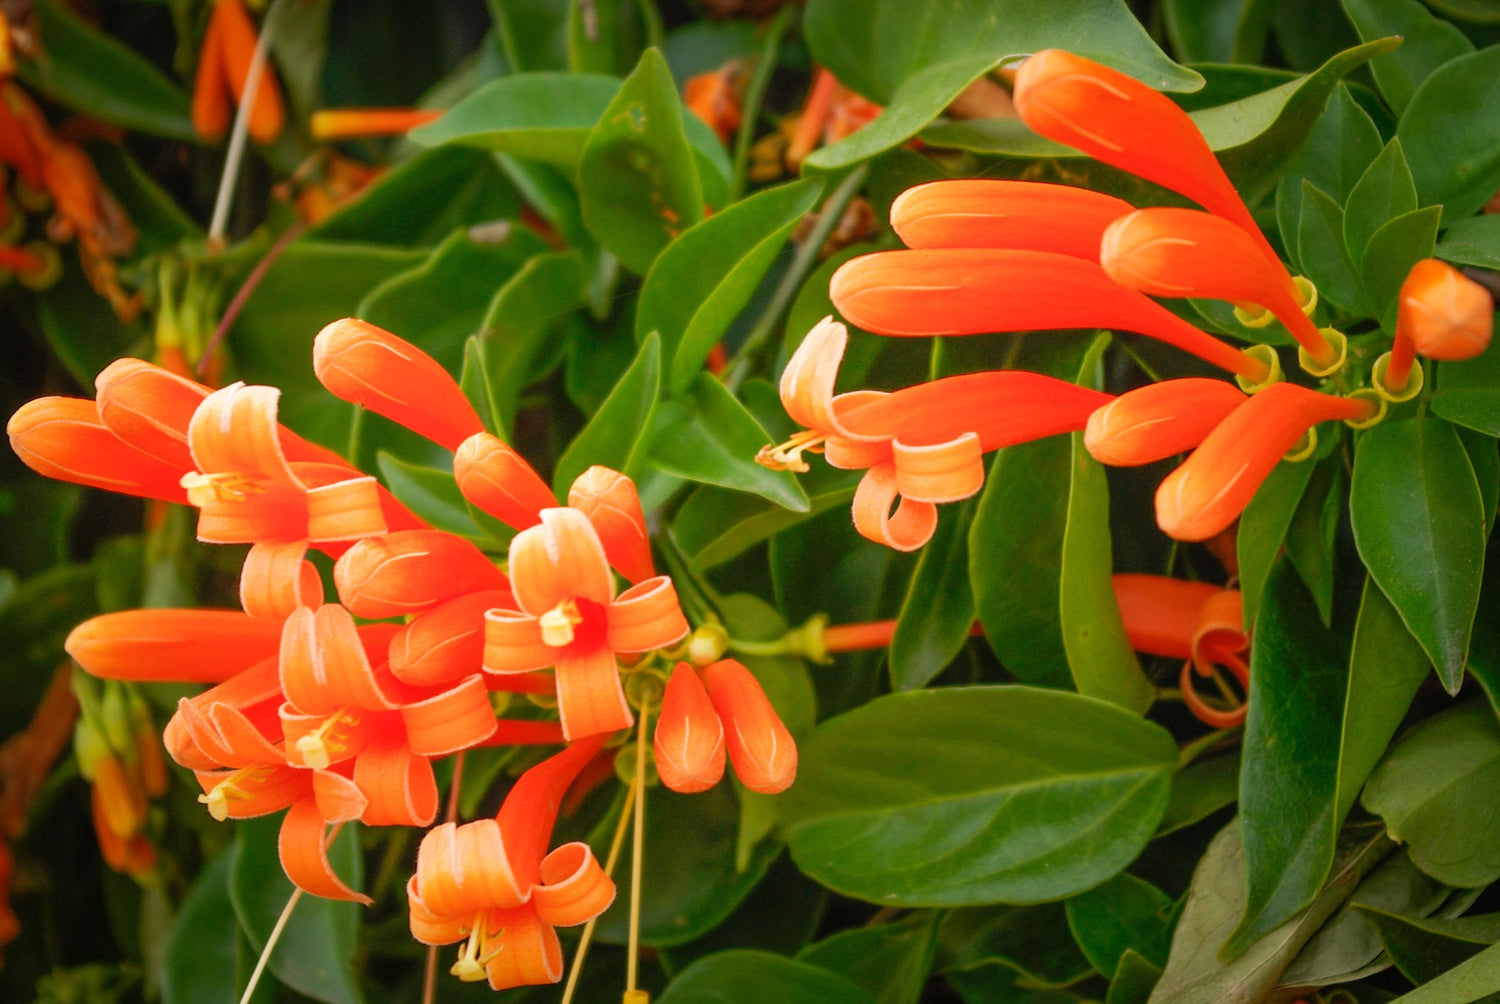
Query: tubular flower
x,y
64,438
371,367
410,571
760,747
1441,314
1193,621
983,213
831,112
352,123
925,444
609,500
223,66
499,481
571,619
714,98
966,291
1213,486
493,882
1184,252
1120,121
689,737
1158,420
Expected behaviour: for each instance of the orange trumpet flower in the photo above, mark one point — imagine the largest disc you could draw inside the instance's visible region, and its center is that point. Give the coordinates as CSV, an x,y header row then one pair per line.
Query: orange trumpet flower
x,y
571,619
223,68
984,213
609,500
64,438
411,571
494,883
1120,121
1159,420
1193,621
1212,487
1441,314
690,737
499,481
925,444
712,97
966,291
330,124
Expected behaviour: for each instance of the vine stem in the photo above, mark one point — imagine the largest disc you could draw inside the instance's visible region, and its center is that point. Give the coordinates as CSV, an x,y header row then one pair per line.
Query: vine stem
x,y
232,312
275,936
429,977
238,135
609,869
637,846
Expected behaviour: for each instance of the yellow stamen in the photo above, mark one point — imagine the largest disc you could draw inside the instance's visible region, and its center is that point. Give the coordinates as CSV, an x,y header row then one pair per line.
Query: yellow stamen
x,y
319,746
559,622
226,486
787,456
228,790
473,958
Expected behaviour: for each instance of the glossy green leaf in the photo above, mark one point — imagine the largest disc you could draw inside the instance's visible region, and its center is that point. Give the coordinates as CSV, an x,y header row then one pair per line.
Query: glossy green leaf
x,y
1428,43
1478,979
536,116
1310,537
604,36
730,977
1199,790
431,494
875,45
1263,528
1018,527
976,795
534,33
638,180
1435,792
1419,525
1384,192
1475,241
1451,133
939,607
1029,942
1289,773
80,328
160,222
890,961
1469,392
1124,914
1197,967
701,282
201,952
96,74
316,950
716,524
1202,32
616,435
1393,249
1321,249
1134,980
708,436
1425,949
1483,457
1339,147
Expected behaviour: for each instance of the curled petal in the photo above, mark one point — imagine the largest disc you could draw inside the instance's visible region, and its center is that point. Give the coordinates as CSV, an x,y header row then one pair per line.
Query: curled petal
x,y
573,888
245,740
63,438
530,809
369,366
499,481
1120,121
513,643
462,870
234,431
1220,638
433,928
807,382
1219,718
446,643
275,580
689,737
411,570
760,747
609,500
454,720
531,954
1159,420
907,529
965,291
189,646
398,783
646,616
590,699
1160,614
944,472
304,856
337,797
1213,486
190,737
324,666
985,213
264,511
1446,314
559,560
149,407
344,510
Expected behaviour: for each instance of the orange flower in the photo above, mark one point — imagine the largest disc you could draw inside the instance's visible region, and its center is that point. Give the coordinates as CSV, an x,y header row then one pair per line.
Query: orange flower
x,y
410,571
760,747
832,112
499,481
1184,252
689,736
982,213
1158,420
923,444
965,291
609,500
352,123
64,438
1193,621
493,882
223,67
571,619
712,97
1213,486
1441,314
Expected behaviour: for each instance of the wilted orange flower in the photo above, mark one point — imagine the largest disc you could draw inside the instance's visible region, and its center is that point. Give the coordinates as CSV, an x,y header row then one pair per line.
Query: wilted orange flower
x,y
493,882
223,68
1197,622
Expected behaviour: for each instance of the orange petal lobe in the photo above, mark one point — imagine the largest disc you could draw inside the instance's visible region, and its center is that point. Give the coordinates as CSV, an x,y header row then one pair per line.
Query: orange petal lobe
x,y
499,481
908,528
462,870
573,888
454,720
276,580
1159,420
304,857
646,616
190,646
590,699
324,666
398,783
149,407
411,570
689,738
531,955
760,747
984,213
559,560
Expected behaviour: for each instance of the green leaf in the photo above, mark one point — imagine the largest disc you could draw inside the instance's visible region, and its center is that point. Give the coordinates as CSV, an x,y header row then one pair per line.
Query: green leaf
x,y
1419,526
1475,241
1342,143
1202,32
1478,979
1289,773
1425,949
875,45
432,494
939,608
1310,538
1018,527
717,524
1485,460
965,795
1199,790
743,974
1393,249
1451,134
604,36
1469,392
701,282
89,71
534,33
1124,914
201,955
536,116
1384,192
891,961
1435,791
1263,527
1032,942
616,435
1321,249
316,949
80,328
639,184
1134,980
1427,43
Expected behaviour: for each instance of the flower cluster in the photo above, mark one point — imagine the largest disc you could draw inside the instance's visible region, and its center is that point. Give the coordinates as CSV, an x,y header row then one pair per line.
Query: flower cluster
x,y
1024,256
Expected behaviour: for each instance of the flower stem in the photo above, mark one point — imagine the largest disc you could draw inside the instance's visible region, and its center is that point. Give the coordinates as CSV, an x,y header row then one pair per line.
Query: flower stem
x,y
637,851
236,152
755,93
1190,751
265,955
609,869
